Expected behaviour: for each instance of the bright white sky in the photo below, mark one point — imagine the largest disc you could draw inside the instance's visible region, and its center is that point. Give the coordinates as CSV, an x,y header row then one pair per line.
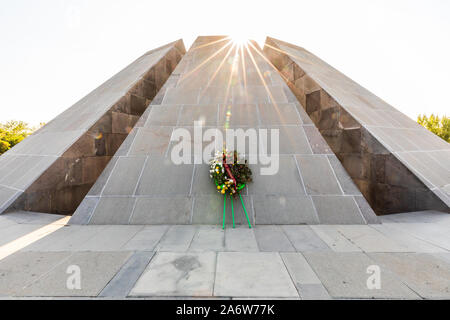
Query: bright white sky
x,y
53,52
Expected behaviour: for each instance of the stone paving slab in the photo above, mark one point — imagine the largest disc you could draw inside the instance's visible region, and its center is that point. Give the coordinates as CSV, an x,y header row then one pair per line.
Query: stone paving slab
x,y
146,239
96,270
22,268
261,274
423,273
272,239
208,238
112,238
56,239
402,237
303,238
124,281
16,231
335,239
28,217
313,292
241,239
177,238
370,240
345,276
177,274
299,269
430,232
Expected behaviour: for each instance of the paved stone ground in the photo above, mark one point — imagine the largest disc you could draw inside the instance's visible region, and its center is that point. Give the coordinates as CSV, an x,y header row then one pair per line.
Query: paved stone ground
x,y
39,254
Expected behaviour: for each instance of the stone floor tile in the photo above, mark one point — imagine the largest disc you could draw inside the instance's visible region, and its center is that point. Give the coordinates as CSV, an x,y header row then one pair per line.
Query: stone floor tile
x,y
208,238
96,270
299,269
124,281
313,292
279,209
241,239
370,240
112,238
177,238
335,239
177,274
146,239
345,276
272,238
261,274
303,238
425,274
23,268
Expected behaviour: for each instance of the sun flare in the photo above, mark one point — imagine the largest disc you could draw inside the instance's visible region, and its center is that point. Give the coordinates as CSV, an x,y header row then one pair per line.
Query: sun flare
x,y
239,39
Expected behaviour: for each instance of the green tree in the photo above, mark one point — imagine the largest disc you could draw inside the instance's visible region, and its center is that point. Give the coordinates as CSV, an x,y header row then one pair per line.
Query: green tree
x,y
12,132
439,126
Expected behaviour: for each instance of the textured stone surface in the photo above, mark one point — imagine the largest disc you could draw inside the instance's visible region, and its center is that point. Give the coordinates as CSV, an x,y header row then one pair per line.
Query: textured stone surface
x,y
272,238
397,164
126,278
239,274
97,269
423,273
53,169
344,276
206,89
178,274
303,238
24,268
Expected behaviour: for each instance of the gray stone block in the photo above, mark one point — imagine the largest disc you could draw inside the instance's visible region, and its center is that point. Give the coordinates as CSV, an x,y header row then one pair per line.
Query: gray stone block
x,y
318,177
272,238
345,276
278,114
239,274
303,238
337,210
177,274
162,211
423,273
97,269
279,209
146,239
125,176
126,278
162,177
286,181
177,238
113,211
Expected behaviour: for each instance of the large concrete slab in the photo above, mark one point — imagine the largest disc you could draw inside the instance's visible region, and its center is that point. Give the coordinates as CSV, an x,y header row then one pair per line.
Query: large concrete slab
x,y
335,239
241,239
345,276
124,281
177,274
370,240
208,238
177,238
96,270
303,238
23,268
272,239
111,238
240,275
425,274
146,239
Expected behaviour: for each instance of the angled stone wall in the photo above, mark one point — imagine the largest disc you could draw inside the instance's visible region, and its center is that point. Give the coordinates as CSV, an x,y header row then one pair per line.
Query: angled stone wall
x,y
53,169
223,87
397,164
